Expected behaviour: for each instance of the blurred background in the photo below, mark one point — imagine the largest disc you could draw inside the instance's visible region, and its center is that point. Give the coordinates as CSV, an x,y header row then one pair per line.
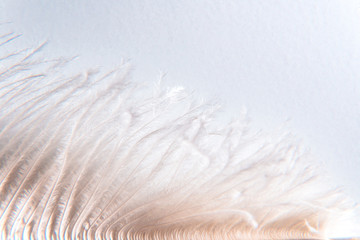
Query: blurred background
x,y
284,61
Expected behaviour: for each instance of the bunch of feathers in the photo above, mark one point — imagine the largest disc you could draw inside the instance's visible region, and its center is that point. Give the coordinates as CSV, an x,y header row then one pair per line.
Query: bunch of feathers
x,y
95,156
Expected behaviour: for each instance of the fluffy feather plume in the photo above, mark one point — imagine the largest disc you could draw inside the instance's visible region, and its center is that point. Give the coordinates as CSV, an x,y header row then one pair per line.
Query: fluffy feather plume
x,y
97,157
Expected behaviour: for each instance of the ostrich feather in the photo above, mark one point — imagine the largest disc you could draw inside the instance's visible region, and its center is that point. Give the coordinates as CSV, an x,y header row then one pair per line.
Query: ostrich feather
x,y
96,156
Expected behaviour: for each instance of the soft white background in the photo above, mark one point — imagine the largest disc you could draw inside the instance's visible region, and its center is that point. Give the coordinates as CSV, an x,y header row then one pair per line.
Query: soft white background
x,y
295,61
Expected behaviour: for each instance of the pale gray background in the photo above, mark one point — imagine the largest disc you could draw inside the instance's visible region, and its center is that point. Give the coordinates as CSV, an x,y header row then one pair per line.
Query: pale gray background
x,y
283,60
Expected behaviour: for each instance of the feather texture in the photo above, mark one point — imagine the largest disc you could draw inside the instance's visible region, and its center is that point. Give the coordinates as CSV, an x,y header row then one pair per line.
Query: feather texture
x,y
98,157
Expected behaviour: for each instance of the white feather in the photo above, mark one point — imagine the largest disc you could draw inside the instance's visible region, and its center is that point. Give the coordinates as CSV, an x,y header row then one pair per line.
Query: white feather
x,y
96,157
